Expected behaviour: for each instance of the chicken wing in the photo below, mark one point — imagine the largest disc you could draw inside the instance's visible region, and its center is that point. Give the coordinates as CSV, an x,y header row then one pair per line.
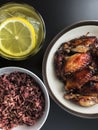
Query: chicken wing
x,y
76,62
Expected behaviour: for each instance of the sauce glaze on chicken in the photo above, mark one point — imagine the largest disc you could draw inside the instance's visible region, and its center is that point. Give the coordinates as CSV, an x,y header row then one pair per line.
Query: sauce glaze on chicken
x,y
76,65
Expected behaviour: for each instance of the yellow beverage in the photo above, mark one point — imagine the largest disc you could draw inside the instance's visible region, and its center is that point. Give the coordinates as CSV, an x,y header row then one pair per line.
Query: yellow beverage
x,y
22,31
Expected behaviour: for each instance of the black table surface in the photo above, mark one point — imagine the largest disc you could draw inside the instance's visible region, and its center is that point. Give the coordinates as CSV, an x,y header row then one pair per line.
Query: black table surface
x,y
57,15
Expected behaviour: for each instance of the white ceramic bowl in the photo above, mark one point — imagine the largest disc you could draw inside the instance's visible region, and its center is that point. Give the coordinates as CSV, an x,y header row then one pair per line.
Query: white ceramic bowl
x,y
38,125
54,85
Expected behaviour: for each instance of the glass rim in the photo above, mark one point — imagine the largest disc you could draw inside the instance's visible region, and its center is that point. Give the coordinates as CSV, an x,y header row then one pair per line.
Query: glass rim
x,y
25,5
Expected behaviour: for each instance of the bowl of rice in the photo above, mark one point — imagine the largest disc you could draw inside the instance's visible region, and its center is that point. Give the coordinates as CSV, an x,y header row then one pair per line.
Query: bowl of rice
x,y
24,100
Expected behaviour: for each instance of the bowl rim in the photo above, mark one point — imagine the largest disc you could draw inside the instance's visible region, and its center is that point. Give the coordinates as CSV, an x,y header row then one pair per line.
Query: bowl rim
x,y
44,62
41,84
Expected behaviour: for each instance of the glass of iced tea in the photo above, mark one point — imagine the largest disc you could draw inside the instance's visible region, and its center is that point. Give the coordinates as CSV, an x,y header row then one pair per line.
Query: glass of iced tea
x,y
22,31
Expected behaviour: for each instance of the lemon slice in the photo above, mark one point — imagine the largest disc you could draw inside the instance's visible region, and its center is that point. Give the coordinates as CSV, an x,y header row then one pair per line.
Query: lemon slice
x,y
17,37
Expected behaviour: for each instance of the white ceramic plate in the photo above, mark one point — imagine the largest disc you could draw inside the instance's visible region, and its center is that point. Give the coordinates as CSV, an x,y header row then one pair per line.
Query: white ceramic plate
x,y
55,86
38,125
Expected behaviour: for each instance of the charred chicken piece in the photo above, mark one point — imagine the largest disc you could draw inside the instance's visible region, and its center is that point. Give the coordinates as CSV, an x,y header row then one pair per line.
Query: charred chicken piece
x,y
84,40
86,96
83,43
59,60
80,49
76,62
85,101
79,79
91,88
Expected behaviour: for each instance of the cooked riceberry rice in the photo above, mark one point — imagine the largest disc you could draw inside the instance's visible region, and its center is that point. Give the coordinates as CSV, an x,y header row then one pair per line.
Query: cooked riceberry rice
x,y
21,100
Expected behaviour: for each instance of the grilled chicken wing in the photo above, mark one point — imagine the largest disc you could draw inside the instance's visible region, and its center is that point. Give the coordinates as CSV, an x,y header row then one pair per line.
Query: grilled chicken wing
x,y
83,43
84,40
79,79
76,64
85,101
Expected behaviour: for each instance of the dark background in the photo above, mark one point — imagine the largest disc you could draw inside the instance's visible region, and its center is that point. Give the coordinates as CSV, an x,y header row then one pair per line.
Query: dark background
x,y
57,15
